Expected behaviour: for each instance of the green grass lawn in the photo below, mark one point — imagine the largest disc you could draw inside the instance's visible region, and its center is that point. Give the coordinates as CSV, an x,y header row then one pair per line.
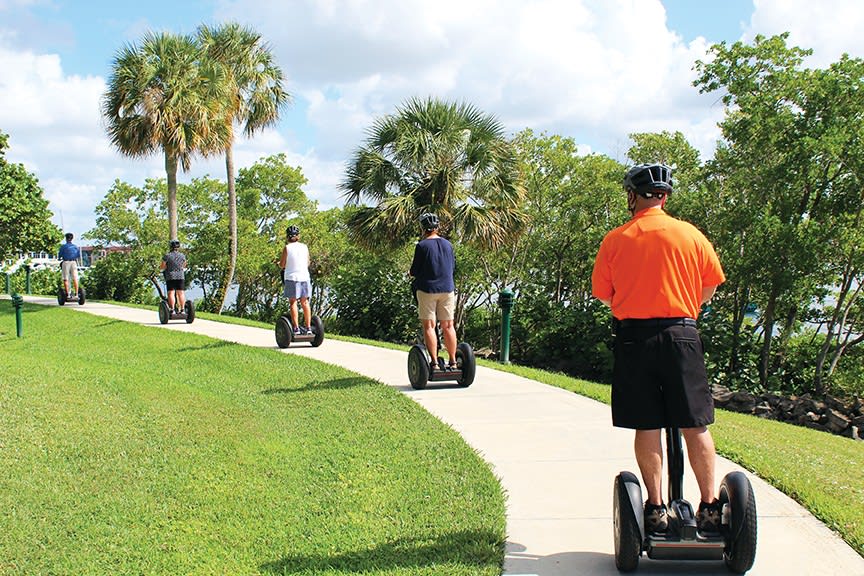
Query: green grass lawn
x,y
821,471
127,450
216,458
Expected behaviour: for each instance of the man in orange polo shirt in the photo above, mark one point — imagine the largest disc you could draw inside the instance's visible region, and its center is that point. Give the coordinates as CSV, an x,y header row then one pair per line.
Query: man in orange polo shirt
x,y
656,272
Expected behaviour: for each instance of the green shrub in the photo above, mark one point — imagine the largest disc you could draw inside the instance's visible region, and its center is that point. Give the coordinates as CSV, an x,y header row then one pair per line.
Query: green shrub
x,y
118,277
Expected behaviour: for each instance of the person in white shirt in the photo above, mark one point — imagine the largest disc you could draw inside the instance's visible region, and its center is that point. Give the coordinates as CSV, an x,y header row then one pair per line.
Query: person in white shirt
x,y
296,282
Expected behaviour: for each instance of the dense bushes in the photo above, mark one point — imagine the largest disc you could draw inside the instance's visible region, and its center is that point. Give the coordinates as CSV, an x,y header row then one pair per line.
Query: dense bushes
x,y
44,281
117,277
372,299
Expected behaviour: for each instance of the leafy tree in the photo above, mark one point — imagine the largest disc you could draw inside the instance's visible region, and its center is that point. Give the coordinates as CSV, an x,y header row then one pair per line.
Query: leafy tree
x,y
791,147
270,194
572,201
25,221
134,219
435,156
164,94
257,95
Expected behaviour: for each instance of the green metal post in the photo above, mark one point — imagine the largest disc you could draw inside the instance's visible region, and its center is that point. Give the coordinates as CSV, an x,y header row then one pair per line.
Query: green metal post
x,y
27,280
18,303
505,299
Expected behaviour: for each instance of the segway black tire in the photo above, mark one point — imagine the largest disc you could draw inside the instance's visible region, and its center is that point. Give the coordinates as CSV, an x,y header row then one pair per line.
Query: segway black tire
x,y
628,535
164,312
81,296
318,329
284,332
418,367
189,308
740,535
466,363
61,296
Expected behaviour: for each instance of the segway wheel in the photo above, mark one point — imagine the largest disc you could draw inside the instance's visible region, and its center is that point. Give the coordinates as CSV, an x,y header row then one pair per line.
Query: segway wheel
x,y
284,332
81,296
317,329
189,308
736,495
418,367
628,537
61,296
467,364
164,312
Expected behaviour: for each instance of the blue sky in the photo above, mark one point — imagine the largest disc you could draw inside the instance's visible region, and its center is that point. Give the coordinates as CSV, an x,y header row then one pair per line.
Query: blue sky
x,y
569,67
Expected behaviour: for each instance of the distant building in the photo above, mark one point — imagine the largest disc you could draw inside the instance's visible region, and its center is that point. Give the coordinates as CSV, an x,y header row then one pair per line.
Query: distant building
x,y
39,260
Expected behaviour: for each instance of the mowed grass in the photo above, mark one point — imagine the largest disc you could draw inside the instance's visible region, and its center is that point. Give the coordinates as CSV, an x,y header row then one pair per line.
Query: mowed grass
x,y
129,450
821,471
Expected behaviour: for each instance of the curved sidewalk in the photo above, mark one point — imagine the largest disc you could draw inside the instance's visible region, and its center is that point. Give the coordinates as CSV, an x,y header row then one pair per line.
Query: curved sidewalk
x,y
556,454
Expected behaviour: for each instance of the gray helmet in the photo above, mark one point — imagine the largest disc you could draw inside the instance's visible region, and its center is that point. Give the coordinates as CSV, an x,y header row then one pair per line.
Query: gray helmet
x,y
649,180
429,221
292,231
174,244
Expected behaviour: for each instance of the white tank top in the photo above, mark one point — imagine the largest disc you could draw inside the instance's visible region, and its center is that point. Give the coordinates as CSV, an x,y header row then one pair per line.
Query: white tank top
x,y
297,262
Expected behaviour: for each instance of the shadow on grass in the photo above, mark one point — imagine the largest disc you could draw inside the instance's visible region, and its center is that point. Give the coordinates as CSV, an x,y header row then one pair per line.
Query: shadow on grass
x,y
208,346
107,322
338,384
467,548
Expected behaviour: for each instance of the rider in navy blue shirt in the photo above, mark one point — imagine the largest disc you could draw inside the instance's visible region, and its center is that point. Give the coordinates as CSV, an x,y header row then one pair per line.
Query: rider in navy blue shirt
x,y
68,256
432,273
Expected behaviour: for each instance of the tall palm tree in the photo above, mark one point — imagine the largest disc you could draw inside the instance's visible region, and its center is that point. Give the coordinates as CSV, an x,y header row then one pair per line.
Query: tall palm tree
x,y
435,156
162,94
257,96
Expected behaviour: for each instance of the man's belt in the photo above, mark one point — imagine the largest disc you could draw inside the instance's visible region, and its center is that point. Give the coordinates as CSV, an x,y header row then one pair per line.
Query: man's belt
x,y
656,322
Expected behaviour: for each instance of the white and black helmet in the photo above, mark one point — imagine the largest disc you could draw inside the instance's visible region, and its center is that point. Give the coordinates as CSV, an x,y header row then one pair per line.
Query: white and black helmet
x,y
649,180
429,221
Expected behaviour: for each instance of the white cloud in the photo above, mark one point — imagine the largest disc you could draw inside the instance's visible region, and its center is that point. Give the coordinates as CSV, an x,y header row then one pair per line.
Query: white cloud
x,y
829,27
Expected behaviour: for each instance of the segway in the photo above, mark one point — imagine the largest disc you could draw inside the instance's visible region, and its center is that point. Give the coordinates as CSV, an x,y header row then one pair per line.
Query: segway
x,y
63,297
166,313
285,335
420,372
735,543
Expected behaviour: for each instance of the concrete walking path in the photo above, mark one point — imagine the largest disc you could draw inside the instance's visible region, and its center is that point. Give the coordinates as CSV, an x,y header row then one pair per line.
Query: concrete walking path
x,y
556,454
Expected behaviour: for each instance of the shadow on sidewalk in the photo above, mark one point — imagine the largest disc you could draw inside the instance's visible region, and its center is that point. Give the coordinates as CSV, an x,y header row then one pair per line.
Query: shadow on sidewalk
x,y
596,563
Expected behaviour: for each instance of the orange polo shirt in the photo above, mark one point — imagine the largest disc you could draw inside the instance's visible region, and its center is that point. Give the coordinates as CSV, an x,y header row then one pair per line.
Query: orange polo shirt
x,y
655,266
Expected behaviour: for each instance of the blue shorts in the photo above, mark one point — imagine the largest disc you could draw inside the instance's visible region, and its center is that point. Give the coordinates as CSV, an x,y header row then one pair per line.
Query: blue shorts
x,y
296,290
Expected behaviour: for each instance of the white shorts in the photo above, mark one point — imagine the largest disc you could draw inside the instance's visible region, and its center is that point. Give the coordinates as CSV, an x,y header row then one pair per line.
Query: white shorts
x,y
70,270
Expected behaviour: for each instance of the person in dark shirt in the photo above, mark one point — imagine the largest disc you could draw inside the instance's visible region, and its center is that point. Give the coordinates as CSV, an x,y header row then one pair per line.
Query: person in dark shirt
x,y
173,266
68,256
432,274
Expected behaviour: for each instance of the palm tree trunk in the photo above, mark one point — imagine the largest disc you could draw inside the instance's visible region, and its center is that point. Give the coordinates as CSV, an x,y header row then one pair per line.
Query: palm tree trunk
x,y
232,227
171,171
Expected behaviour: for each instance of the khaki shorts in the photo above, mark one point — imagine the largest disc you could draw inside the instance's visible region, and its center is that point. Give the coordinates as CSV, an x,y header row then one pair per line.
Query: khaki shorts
x,y
70,270
440,306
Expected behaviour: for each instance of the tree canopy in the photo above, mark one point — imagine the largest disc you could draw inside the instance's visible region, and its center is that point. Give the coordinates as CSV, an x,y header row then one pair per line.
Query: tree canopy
x,y
25,220
435,156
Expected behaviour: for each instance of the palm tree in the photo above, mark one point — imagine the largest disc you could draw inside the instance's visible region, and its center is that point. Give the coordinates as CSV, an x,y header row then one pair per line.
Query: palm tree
x,y
257,96
162,94
435,156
